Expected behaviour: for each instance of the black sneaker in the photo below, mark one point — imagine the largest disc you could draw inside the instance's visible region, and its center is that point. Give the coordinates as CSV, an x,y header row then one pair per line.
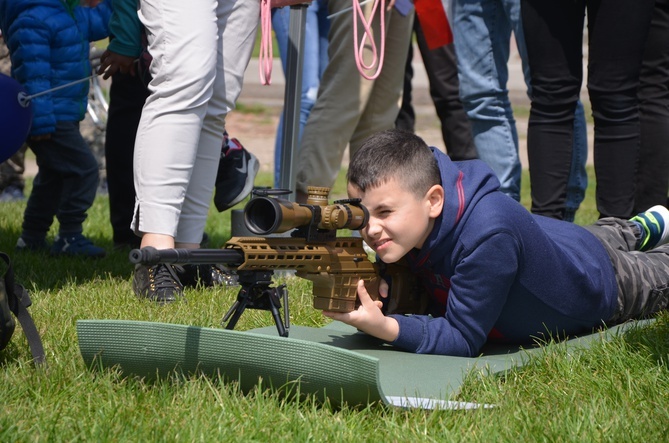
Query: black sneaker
x,y
158,283
237,170
206,275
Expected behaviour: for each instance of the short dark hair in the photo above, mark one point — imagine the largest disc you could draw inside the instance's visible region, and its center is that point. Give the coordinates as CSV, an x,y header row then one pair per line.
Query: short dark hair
x,y
394,154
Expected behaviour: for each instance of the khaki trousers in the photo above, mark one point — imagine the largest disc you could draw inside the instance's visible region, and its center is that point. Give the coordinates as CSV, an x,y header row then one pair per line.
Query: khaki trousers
x,y
349,107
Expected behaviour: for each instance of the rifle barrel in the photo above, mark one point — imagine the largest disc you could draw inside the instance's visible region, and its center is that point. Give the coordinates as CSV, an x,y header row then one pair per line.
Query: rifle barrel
x,y
152,256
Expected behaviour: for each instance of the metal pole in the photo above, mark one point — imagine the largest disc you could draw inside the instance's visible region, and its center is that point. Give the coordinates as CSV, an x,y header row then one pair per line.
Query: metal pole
x,y
292,97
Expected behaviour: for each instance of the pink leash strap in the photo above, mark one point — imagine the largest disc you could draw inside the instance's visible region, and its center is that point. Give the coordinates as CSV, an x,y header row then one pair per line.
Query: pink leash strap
x,y
359,45
265,57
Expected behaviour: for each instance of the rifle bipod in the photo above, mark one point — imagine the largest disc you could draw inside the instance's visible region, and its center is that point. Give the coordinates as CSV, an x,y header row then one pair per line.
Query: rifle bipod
x,y
256,293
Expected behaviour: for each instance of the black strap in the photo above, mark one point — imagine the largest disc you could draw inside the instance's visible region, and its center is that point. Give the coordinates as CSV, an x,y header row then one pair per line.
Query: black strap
x,y
19,300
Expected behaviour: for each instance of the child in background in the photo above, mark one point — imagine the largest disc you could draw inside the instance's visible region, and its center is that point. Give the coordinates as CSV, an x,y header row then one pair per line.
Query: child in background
x,y
48,42
493,270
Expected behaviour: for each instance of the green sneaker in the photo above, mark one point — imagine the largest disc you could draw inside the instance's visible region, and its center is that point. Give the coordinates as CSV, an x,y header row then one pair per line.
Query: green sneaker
x,y
654,225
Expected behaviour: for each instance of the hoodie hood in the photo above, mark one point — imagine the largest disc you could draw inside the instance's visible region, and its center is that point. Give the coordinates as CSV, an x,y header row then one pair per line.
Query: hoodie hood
x,y
465,183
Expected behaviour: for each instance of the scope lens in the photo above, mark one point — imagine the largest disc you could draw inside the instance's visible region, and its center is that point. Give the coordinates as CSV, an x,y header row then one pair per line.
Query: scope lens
x,y
262,215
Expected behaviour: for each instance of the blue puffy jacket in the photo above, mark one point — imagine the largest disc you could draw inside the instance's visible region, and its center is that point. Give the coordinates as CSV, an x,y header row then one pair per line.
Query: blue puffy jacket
x,y
49,47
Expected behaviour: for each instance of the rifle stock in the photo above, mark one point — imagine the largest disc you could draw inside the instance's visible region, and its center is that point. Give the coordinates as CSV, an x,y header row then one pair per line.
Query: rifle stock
x,y
334,266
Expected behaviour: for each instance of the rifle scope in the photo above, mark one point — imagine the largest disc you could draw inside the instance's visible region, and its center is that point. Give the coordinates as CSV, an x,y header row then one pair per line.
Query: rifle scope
x,y
267,215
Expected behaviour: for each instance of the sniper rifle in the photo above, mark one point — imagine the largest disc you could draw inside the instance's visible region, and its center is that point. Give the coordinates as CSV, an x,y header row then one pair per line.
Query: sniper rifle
x,y
313,250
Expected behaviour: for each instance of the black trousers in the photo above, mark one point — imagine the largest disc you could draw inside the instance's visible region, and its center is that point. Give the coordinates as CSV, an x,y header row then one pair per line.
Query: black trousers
x,y
617,32
442,71
652,183
65,185
126,99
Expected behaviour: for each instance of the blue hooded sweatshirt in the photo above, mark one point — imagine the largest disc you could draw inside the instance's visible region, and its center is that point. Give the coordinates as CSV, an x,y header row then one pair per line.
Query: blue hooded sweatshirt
x,y
497,272
48,41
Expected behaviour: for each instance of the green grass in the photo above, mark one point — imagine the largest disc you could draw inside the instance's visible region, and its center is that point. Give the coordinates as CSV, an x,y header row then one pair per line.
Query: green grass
x,y
613,391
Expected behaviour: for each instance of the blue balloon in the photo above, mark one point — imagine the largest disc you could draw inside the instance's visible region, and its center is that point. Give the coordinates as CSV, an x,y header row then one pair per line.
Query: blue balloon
x,y
16,116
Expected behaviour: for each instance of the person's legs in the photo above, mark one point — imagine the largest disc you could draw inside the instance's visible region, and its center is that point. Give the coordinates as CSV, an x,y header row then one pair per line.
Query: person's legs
x,y
342,97
652,178
577,182
312,68
554,41
442,72
643,277
182,40
65,186
236,30
482,34
613,82
382,102
45,196
79,169
200,52
126,99
11,176
406,118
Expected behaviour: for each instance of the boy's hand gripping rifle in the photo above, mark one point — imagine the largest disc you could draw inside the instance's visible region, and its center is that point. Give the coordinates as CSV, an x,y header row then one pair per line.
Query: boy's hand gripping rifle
x,y
334,264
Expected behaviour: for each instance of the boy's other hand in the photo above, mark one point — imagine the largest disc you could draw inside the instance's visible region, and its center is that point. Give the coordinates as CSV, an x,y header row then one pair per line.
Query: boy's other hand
x,y
383,288
111,63
368,317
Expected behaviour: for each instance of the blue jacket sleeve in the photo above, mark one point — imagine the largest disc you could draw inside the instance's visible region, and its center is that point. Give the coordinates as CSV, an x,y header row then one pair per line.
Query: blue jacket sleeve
x,y
479,289
97,19
33,69
126,29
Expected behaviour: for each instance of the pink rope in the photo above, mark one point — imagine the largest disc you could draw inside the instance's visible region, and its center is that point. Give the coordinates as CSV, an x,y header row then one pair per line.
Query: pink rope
x,y
376,61
265,57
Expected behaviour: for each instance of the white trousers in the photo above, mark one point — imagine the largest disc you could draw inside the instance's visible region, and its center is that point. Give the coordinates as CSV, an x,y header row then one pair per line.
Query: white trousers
x,y
200,51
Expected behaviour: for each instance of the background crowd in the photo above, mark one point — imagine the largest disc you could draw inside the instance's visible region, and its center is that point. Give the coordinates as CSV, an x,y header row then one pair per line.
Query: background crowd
x,y
177,70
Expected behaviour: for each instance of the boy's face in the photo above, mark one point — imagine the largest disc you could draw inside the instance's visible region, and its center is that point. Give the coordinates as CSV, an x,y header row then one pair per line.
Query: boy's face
x,y
398,220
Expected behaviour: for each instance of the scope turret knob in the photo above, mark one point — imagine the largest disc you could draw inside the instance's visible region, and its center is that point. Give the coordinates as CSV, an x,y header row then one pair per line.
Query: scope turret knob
x,y
332,217
317,195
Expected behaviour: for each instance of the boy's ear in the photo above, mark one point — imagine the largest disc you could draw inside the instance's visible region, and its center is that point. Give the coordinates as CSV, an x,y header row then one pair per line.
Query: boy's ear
x,y
435,198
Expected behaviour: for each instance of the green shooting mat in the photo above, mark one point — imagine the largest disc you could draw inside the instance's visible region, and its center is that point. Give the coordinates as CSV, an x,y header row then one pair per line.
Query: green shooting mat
x,y
334,362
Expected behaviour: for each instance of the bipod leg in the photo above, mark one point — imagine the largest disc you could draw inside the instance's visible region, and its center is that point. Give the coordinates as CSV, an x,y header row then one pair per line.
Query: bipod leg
x,y
252,283
235,311
274,306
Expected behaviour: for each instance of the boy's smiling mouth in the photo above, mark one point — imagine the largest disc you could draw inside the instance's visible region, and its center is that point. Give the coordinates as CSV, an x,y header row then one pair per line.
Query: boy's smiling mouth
x,y
381,243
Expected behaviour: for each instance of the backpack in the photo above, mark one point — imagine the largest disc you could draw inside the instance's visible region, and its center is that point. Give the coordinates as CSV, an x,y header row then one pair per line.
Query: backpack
x,y
14,301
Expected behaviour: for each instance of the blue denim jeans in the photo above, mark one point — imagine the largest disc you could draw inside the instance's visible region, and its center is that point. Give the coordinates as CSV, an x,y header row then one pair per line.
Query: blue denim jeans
x,y
578,176
315,60
482,31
